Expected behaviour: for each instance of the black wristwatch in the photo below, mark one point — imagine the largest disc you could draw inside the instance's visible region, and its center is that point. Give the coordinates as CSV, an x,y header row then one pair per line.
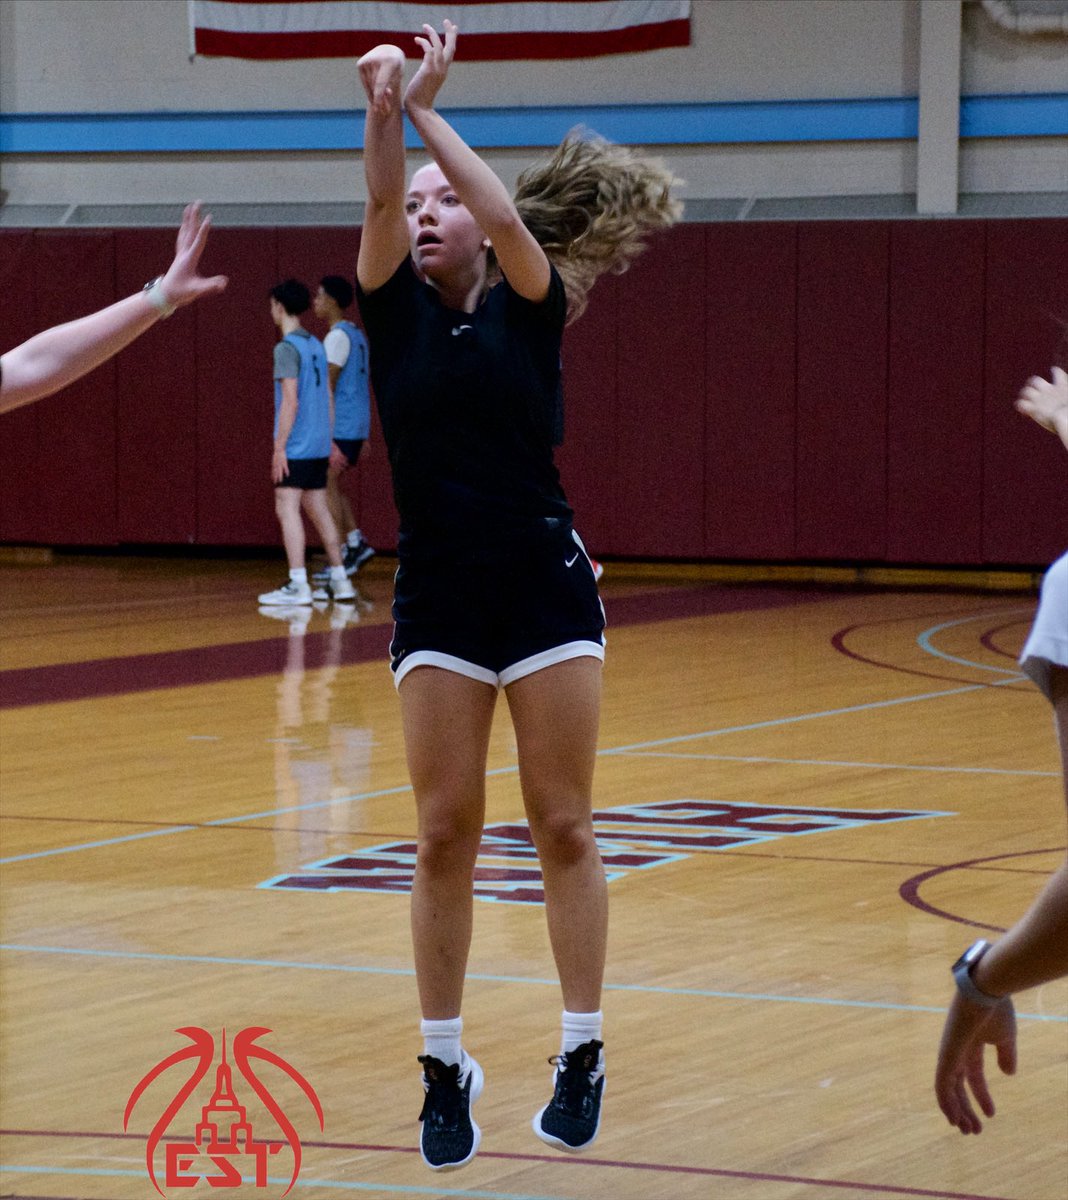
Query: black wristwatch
x,y
962,975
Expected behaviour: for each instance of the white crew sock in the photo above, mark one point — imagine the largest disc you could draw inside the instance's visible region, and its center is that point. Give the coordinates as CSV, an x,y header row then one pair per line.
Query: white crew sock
x,y
337,575
442,1039
298,574
354,538
577,1028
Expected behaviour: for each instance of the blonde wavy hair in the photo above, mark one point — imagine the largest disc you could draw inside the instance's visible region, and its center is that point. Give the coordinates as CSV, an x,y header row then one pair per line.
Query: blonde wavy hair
x,y
590,207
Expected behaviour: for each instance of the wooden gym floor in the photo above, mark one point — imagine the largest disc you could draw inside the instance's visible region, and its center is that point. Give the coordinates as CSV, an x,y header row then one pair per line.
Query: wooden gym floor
x,y
810,799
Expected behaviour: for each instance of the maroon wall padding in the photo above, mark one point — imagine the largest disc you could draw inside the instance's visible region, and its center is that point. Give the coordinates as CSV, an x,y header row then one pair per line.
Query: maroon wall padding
x,y
841,389
235,393
750,443
156,399
76,464
588,458
935,386
21,518
836,391
1025,469
661,399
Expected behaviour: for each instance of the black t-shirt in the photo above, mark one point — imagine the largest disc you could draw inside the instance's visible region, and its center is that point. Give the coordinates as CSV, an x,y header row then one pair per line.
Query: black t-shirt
x,y
468,404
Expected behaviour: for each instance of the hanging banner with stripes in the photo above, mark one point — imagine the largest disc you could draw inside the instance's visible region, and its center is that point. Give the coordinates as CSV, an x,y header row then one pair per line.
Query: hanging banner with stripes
x,y
489,29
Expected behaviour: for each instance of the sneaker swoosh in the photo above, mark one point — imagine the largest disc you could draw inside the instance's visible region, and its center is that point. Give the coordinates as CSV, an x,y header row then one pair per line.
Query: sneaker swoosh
x,y
570,562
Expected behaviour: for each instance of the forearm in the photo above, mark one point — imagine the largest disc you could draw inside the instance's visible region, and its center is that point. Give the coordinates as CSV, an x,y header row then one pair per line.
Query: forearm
x,y
1035,950
383,158
482,193
57,357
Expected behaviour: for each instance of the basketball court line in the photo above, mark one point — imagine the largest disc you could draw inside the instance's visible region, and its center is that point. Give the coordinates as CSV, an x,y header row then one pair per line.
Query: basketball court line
x,y
924,641
774,723
483,977
832,762
877,1189
396,1189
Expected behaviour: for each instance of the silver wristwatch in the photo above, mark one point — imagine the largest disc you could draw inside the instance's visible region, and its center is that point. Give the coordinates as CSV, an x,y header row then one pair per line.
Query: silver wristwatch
x,y
962,975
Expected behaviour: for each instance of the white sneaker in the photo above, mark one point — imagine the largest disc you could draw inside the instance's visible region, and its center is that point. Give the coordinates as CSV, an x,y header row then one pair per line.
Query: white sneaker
x,y
288,593
339,590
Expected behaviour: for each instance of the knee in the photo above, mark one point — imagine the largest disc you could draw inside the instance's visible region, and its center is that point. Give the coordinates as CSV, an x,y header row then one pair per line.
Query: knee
x,y
448,842
563,838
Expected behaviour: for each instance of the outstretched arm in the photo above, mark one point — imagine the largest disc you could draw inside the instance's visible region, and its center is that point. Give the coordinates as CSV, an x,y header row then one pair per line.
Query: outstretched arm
x,y
58,356
384,241
1046,401
521,259
1034,951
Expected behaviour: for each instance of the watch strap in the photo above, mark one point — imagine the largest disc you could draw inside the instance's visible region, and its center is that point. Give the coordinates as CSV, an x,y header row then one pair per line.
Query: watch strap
x,y
962,976
158,298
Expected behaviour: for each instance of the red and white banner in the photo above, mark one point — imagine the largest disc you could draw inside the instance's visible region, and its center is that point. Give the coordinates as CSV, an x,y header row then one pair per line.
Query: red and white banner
x,y
489,29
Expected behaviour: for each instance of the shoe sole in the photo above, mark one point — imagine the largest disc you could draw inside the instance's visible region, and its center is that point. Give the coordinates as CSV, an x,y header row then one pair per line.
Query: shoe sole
x,y
558,1143
289,602
477,1079
326,594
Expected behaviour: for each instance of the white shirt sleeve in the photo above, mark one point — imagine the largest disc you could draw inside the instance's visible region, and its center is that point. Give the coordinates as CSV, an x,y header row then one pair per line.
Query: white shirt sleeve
x,y
337,348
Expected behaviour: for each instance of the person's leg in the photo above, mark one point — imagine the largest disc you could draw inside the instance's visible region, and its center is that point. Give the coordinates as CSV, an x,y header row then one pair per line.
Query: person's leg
x,y
287,509
338,503
315,505
556,712
447,719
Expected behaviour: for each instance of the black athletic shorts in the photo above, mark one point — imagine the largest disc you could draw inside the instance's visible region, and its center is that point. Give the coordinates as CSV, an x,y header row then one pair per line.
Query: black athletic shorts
x,y
308,474
497,623
350,447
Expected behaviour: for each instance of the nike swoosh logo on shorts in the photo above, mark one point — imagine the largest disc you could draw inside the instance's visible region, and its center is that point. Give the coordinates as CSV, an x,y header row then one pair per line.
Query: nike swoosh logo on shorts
x,y
570,562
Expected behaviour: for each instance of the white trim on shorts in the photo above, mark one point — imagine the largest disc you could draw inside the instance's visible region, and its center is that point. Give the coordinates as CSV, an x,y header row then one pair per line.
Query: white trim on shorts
x,y
1047,643
525,666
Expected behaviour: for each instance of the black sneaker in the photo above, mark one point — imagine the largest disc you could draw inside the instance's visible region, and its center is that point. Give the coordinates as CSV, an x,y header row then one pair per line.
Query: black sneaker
x,y
449,1137
571,1119
355,556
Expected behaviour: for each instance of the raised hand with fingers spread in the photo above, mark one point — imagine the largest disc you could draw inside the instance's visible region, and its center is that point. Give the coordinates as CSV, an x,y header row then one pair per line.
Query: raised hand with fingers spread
x,y
433,70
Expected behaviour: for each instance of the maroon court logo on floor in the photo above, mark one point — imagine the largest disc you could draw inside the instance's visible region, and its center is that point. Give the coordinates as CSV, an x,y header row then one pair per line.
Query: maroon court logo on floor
x,y
223,1149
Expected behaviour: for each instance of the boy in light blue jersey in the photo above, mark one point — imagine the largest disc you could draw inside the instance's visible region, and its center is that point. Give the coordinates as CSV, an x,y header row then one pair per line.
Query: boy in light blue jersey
x,y
346,355
302,441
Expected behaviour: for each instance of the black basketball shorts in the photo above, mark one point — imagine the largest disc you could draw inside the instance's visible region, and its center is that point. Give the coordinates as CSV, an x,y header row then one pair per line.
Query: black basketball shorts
x,y
498,623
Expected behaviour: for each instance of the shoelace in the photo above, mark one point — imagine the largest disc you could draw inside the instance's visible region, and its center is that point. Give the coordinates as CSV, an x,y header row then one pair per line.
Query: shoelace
x,y
443,1102
574,1080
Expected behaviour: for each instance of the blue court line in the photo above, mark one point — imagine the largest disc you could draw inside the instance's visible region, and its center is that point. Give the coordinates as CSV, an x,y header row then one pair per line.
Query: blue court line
x,y
832,762
925,643
130,837
409,973
682,737
396,1189
779,721
859,119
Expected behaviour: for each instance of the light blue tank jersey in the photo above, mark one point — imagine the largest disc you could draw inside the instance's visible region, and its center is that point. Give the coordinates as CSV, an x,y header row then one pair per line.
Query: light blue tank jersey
x,y
310,436
352,398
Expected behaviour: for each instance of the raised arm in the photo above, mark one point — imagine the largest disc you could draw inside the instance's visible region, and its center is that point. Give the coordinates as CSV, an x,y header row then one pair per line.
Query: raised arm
x,y
384,242
57,357
521,259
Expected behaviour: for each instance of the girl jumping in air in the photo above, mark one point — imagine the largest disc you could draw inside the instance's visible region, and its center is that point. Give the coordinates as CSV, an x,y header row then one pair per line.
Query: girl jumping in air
x,y
464,293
